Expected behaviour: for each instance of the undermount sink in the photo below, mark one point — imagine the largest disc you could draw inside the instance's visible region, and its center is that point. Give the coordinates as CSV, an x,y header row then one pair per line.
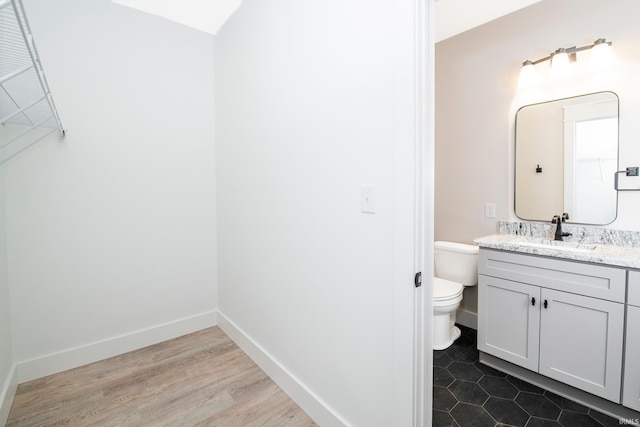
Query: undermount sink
x,y
553,244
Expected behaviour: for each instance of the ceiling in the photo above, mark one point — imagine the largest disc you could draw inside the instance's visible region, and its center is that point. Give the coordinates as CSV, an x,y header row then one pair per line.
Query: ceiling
x,y
203,15
452,16
457,16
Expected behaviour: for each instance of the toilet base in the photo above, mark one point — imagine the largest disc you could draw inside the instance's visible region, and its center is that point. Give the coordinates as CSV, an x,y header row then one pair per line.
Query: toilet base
x,y
445,331
455,334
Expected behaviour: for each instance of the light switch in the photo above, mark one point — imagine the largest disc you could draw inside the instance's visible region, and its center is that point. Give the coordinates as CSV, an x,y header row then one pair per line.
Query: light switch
x,y
490,210
368,198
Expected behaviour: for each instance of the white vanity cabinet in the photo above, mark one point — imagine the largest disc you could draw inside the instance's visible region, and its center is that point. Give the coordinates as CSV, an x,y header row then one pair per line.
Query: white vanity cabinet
x,y
562,319
631,391
509,320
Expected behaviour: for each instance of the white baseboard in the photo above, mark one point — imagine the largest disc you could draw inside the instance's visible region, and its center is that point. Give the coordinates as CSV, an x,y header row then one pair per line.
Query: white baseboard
x,y
72,358
467,318
6,395
305,398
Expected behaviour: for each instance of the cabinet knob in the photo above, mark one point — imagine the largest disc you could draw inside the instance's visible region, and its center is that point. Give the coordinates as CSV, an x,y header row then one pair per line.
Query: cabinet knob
x,y
533,301
545,303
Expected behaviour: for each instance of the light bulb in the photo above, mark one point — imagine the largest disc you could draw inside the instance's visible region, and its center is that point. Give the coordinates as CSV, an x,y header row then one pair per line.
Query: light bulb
x,y
560,64
528,75
601,55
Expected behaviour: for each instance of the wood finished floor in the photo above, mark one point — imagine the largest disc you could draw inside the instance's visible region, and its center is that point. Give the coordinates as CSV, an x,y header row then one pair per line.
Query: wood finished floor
x,y
201,379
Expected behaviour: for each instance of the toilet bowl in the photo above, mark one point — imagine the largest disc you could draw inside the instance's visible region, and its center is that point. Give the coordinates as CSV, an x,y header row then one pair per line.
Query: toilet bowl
x,y
456,266
446,300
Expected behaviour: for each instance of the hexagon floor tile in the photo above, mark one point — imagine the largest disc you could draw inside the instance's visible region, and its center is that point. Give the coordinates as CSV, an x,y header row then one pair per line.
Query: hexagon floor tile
x,y
468,393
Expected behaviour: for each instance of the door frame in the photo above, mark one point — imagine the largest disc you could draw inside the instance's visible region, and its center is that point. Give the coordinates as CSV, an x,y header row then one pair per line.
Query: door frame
x,y
424,211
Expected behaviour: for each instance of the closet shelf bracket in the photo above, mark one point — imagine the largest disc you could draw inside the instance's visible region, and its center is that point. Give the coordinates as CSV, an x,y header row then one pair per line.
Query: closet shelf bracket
x,y
27,111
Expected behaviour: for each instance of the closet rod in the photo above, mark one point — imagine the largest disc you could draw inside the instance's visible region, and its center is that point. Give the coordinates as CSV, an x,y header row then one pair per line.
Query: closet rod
x,y
17,137
5,160
23,86
15,73
35,59
22,110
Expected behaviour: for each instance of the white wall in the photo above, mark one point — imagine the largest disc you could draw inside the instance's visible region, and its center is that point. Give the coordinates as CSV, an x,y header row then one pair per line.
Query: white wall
x,y
477,98
314,100
6,353
111,231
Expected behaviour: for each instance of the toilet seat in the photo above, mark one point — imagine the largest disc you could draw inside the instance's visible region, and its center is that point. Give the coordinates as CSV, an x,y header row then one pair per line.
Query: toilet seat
x,y
446,290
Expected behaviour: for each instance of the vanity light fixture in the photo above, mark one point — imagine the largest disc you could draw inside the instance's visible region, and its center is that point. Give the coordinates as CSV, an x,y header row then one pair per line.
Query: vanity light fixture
x,y
528,76
601,55
561,60
561,63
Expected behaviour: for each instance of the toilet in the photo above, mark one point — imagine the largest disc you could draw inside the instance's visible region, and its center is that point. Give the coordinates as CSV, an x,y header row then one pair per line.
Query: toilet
x,y
456,266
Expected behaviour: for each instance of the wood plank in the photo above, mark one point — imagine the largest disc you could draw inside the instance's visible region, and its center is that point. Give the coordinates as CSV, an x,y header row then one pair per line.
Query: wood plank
x,y
200,379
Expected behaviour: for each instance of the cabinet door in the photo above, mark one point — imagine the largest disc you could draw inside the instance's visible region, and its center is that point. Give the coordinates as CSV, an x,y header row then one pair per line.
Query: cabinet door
x,y
581,342
509,320
631,392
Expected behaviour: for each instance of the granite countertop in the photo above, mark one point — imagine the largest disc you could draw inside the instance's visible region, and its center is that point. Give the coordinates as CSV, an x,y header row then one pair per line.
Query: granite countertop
x,y
597,253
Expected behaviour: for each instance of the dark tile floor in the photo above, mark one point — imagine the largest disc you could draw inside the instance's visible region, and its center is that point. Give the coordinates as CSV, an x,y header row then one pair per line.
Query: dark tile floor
x,y
467,393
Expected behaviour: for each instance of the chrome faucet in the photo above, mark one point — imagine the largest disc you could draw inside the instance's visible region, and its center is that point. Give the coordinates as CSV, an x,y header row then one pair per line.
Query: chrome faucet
x,y
559,219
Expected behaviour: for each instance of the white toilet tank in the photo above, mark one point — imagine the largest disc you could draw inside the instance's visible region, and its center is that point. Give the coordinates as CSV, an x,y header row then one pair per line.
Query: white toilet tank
x,y
457,262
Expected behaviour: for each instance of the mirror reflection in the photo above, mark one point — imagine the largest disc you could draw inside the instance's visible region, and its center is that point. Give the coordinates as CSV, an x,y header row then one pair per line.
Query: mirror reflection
x,y
566,156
